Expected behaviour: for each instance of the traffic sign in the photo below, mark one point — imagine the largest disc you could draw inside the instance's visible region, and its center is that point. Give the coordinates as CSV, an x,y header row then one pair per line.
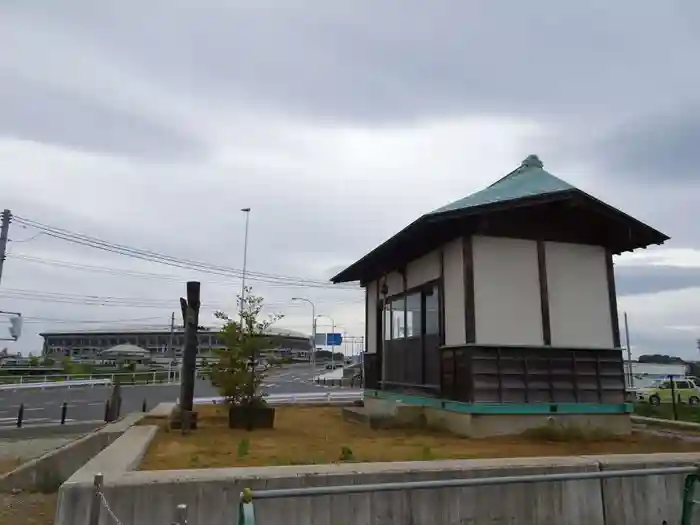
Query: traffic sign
x,y
334,339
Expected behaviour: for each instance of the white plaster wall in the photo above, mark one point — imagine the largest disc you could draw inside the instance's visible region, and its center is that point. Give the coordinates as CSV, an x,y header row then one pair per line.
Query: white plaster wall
x,y
394,283
579,307
422,270
454,293
371,317
506,291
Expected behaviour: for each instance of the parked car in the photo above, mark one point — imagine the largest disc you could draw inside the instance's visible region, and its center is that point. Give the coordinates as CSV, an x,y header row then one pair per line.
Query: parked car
x,y
333,366
685,390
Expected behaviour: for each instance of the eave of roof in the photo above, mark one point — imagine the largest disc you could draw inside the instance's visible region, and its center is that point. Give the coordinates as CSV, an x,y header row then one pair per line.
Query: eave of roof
x,y
528,185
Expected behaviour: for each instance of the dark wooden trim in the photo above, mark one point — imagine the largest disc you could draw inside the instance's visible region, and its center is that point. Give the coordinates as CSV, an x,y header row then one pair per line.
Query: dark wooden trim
x,y
422,337
404,285
468,276
367,318
379,336
544,293
415,289
441,297
612,297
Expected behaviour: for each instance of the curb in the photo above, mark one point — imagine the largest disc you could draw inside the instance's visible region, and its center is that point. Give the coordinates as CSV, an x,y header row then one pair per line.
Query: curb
x,y
685,425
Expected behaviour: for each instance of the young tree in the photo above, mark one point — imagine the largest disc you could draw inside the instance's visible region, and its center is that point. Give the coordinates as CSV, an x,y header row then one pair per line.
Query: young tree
x,y
237,374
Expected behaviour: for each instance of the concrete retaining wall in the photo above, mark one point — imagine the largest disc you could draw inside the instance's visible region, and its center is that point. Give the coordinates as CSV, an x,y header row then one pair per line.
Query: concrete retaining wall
x,y
145,498
50,470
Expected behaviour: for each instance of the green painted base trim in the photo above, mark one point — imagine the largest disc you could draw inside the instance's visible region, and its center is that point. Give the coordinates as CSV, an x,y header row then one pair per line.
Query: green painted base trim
x,y
502,408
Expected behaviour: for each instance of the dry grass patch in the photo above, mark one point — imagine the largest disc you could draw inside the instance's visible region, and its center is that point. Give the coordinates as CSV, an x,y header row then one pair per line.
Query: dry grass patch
x,y
9,464
308,435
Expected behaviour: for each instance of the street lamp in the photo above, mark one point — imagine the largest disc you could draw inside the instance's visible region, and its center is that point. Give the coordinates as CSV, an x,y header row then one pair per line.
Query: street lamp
x,y
332,331
245,260
313,328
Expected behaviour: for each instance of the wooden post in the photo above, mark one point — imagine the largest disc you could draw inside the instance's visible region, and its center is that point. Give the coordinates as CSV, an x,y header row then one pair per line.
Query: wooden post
x,y
190,316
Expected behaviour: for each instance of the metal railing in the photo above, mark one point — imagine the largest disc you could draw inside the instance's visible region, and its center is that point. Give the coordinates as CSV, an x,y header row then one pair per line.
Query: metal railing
x,y
246,507
335,397
68,380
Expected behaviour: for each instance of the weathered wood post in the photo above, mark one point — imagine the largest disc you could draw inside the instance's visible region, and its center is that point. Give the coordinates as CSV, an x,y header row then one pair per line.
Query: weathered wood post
x,y
190,316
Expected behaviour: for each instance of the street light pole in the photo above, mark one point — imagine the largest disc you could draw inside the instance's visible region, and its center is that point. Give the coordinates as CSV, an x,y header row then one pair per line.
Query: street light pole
x,y
313,328
245,261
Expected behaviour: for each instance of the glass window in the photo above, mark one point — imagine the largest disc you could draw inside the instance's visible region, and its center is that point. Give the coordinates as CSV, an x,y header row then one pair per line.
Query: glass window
x,y
413,315
682,384
398,321
432,311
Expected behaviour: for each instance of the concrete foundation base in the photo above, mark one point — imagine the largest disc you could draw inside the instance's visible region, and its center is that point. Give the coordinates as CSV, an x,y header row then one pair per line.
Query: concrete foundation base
x,y
386,413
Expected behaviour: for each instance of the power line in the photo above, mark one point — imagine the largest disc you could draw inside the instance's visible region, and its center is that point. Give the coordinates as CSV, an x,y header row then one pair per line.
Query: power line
x,y
55,320
147,255
131,273
136,302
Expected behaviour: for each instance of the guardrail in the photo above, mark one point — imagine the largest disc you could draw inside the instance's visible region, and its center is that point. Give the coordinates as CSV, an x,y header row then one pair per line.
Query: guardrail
x,y
125,378
246,509
56,384
335,397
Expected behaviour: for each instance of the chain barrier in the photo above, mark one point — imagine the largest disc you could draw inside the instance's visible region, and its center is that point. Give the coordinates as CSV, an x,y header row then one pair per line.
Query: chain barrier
x,y
99,501
105,504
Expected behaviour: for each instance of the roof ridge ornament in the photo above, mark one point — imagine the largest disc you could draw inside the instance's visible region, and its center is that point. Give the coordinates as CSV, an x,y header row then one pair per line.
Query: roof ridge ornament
x,y
532,161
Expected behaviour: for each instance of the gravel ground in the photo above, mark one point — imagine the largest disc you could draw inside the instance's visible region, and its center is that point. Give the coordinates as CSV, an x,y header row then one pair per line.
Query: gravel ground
x,y
27,509
27,449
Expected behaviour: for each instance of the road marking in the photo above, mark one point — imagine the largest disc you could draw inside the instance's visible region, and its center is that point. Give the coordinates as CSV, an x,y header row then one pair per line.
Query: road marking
x,y
25,421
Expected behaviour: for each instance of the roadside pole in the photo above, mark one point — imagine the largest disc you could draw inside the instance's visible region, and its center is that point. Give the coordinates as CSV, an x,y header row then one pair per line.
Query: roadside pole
x,y
4,230
171,349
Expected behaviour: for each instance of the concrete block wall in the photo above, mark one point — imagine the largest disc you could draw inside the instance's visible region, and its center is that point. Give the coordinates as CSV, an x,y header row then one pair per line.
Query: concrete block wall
x,y
212,496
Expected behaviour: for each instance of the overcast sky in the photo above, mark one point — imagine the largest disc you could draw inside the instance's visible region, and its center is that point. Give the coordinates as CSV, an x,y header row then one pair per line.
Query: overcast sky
x,y
152,123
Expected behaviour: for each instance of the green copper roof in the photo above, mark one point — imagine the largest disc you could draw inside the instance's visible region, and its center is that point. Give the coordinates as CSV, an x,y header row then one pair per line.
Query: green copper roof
x,y
528,180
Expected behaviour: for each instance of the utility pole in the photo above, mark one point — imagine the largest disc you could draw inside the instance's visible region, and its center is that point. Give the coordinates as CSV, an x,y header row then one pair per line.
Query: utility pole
x,y
629,354
171,348
245,262
4,229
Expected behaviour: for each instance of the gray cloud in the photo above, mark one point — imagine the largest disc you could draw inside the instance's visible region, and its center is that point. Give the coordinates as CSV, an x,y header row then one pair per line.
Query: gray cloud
x,y
39,113
612,92
632,280
396,60
654,148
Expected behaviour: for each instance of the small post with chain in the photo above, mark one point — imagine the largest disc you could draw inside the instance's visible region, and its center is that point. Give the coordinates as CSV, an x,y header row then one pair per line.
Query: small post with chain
x,y
180,515
96,502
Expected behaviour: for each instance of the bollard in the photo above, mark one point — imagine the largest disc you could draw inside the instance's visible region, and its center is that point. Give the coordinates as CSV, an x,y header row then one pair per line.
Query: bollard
x,y
119,406
180,515
96,502
64,409
107,411
143,407
20,415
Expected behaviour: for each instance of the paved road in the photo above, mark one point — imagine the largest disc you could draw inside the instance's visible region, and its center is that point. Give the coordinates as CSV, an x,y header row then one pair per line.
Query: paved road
x,y
88,403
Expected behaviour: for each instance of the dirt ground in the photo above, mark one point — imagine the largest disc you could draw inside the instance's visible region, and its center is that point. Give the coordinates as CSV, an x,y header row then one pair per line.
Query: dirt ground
x,y
27,509
306,435
8,464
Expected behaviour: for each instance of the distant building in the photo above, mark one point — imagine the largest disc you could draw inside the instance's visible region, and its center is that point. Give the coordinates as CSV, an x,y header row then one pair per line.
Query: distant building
x,y
89,345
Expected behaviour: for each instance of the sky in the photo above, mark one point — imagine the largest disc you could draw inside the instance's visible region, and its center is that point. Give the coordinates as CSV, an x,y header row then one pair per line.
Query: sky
x,y
151,124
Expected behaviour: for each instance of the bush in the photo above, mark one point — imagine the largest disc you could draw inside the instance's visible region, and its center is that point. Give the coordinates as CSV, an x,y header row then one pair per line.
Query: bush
x,y
234,374
346,454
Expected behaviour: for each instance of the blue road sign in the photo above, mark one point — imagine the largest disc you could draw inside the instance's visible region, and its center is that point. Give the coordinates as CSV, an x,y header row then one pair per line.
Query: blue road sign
x,y
334,339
